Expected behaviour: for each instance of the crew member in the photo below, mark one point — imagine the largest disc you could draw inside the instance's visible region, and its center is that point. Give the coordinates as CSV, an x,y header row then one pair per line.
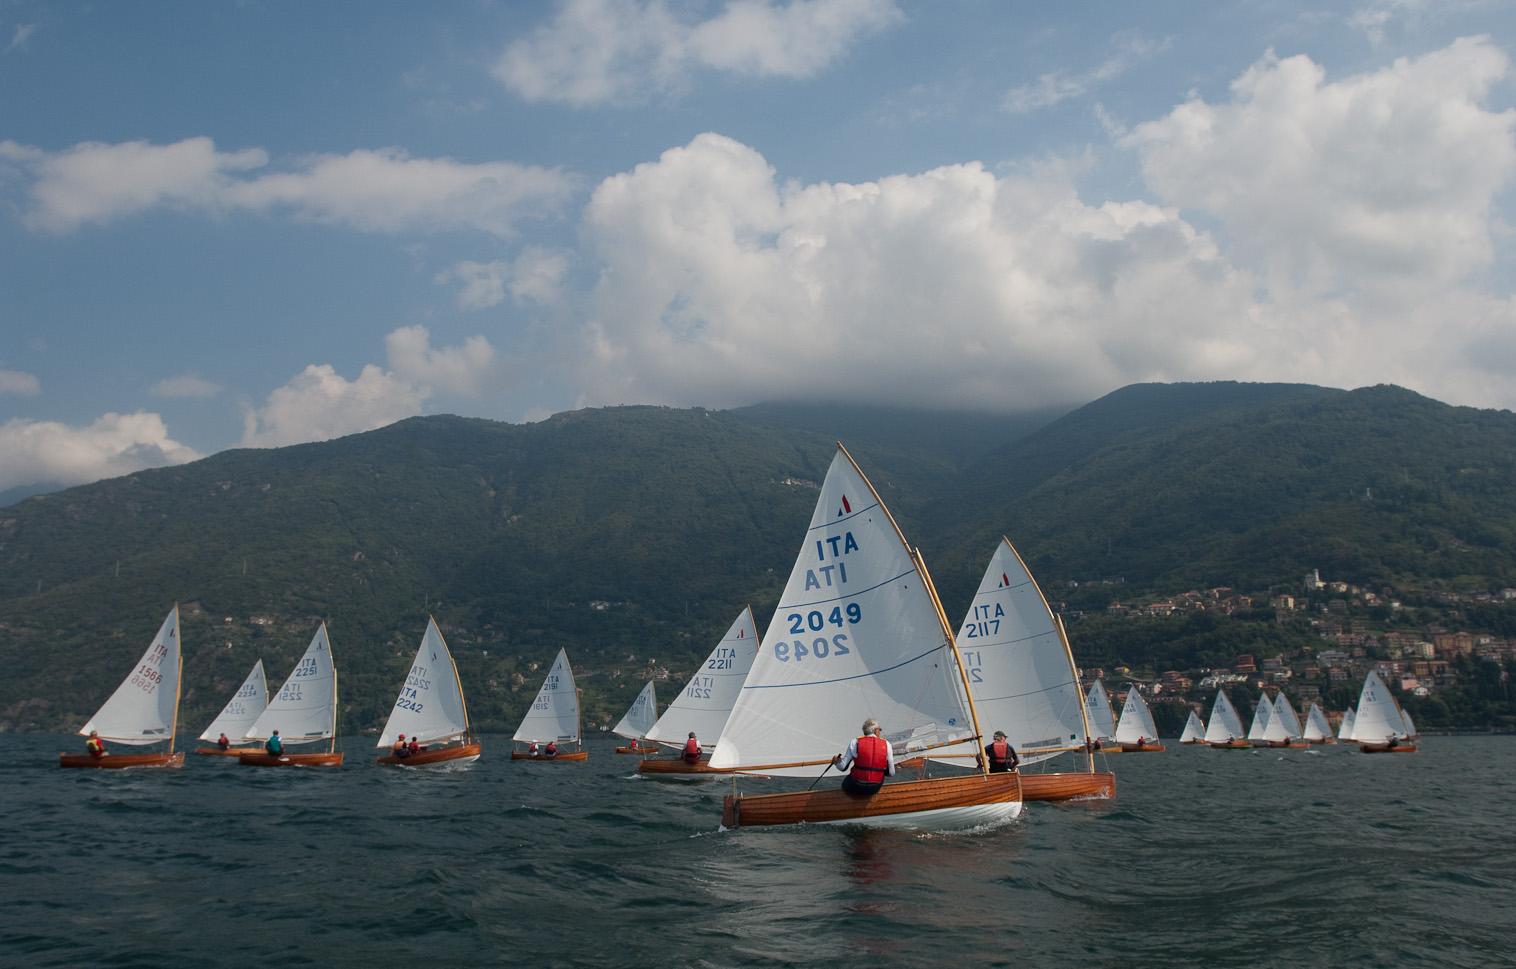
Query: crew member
x,y
534,750
1001,755
275,746
222,742
95,745
551,750
869,759
400,750
415,745
691,753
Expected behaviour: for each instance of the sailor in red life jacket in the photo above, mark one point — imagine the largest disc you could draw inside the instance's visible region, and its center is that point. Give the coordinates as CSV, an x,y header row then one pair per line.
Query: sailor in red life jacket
x,y
691,752
1002,755
868,760
415,745
551,750
95,745
222,741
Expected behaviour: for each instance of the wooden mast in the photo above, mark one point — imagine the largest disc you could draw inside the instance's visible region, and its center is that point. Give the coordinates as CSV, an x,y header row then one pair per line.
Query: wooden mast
x,y
332,656
1084,708
952,645
173,729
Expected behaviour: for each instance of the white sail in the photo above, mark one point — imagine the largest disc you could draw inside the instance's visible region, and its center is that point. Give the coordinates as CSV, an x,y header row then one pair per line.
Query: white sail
x,y
1102,719
640,716
858,634
1410,728
1345,729
243,708
1194,730
1225,725
1016,663
1285,723
145,707
554,715
1136,719
305,708
1316,727
1378,714
707,699
1262,714
430,706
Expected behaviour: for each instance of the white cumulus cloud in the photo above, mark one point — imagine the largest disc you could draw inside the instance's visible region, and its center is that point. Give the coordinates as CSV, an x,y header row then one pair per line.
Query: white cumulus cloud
x,y
19,383
38,452
459,370
536,274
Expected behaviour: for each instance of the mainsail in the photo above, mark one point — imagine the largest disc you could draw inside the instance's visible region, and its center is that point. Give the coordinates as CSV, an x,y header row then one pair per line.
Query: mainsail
x,y
1102,719
554,714
1378,713
1316,727
1345,729
1262,714
305,708
640,716
1283,724
430,706
1225,724
858,634
705,703
243,708
1136,719
1194,730
145,707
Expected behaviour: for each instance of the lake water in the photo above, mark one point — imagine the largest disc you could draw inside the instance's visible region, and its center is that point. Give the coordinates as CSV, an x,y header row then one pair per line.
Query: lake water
x,y
1204,858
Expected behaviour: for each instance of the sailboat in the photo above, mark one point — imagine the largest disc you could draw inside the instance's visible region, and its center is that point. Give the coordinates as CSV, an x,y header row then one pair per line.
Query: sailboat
x,y
144,709
553,717
1136,733
303,711
1379,727
859,634
638,720
1021,672
1224,732
431,709
1345,729
239,713
1283,729
1194,730
1317,730
1410,728
705,703
1262,714
1102,719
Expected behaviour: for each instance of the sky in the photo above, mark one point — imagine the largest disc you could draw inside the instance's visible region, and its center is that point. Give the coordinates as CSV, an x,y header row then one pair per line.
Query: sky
x,y
264,223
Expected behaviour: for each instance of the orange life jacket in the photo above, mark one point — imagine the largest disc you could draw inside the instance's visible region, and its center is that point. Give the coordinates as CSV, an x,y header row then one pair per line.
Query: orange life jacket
x,y
1000,755
692,750
872,762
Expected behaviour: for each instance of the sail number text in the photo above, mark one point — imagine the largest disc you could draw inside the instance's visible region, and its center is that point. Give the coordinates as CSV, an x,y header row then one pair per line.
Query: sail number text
x,y
835,573
819,648
984,622
306,667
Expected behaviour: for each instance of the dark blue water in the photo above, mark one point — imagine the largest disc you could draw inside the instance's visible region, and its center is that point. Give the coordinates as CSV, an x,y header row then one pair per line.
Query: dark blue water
x,y
1204,858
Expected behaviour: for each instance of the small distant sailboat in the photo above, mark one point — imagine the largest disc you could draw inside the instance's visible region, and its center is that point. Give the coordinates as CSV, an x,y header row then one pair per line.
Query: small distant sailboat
x,y
639,719
1283,729
240,712
1194,730
1410,728
1317,730
705,703
1224,732
1345,729
1380,727
144,709
1136,733
1262,714
431,709
304,711
1101,717
553,717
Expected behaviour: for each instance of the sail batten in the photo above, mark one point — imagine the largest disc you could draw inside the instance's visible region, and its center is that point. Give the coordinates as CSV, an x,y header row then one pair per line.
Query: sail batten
x,y
144,708
430,705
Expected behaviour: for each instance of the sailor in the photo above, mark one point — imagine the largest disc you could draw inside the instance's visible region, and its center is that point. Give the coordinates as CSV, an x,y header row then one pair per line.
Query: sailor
x,y
415,745
400,750
1001,755
551,750
869,759
534,750
691,753
275,746
222,741
95,745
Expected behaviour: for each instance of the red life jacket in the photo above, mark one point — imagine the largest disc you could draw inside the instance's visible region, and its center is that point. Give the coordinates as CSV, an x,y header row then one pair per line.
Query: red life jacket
x,y
551,750
692,750
872,762
222,742
95,746
1000,754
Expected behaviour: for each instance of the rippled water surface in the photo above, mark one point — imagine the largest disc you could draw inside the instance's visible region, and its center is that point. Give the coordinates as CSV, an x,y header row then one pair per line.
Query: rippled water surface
x,y
1204,858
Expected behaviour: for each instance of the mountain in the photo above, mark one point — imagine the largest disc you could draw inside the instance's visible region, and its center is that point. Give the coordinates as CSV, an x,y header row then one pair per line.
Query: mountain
x,y
632,536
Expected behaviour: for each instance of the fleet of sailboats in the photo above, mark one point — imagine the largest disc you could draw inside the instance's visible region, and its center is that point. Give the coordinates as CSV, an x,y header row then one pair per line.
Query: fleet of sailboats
x,y
144,710
430,711
553,718
303,712
240,712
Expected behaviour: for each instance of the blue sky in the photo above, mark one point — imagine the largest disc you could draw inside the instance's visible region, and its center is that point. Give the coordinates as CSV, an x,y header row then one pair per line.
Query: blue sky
x,y
267,223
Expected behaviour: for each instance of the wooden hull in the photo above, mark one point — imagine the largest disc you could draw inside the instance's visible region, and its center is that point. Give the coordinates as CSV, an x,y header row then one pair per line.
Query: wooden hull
x,y
644,751
1285,744
1328,740
570,756
937,804
121,761
228,752
260,759
1067,786
440,757
1231,745
1191,743
675,769
1387,749
1142,748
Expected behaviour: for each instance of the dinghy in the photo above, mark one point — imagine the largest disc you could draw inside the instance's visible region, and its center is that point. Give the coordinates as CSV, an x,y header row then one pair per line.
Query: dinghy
x,y
1224,732
144,710
431,709
1262,714
1283,728
1317,730
705,703
859,634
1410,728
1102,719
639,719
304,711
1345,729
1194,730
553,717
238,714
1379,727
1136,733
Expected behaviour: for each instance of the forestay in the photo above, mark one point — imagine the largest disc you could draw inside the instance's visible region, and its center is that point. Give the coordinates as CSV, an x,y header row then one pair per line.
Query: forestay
x,y
858,634
305,708
707,700
243,708
1316,727
1262,714
640,716
554,714
144,708
430,706
1194,730
1225,725
1017,664
1283,723
1136,719
1102,719
1345,729
1378,714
